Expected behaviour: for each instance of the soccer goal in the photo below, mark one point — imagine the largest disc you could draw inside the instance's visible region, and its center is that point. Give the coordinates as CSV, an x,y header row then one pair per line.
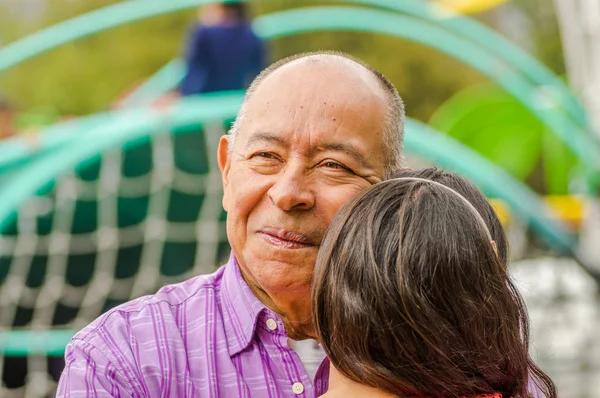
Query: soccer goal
x,y
115,227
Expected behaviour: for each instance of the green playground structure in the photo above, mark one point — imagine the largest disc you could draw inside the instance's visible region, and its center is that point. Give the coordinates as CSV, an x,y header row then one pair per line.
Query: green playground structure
x,y
33,171
512,70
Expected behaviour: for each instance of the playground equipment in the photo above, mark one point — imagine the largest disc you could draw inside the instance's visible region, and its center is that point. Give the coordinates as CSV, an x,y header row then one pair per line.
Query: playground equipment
x,y
111,206
494,124
548,101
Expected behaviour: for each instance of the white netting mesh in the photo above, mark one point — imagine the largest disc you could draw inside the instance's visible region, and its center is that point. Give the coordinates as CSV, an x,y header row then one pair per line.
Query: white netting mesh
x,y
112,230
564,310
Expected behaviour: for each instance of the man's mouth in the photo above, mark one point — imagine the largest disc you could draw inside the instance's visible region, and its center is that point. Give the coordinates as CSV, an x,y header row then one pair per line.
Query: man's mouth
x,y
286,239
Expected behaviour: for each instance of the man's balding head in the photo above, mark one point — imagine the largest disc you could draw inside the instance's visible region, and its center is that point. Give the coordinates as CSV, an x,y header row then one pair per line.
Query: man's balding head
x,y
354,78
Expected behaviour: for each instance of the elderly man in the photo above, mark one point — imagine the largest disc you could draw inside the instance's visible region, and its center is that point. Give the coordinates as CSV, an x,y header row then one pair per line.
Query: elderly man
x,y
313,131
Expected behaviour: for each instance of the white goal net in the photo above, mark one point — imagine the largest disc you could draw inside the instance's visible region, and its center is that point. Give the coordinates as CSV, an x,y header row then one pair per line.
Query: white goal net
x,y
116,228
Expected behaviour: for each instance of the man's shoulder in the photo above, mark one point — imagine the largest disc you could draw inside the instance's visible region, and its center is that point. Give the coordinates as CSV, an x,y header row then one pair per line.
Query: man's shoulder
x,y
161,306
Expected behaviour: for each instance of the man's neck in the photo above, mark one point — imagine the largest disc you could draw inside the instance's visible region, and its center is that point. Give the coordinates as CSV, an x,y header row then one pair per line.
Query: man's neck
x,y
294,310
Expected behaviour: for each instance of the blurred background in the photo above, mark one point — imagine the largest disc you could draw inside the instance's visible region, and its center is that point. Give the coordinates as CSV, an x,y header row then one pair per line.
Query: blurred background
x,y
110,112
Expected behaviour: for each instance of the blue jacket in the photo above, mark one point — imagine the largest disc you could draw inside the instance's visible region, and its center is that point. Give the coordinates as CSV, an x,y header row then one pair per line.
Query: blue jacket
x,y
222,58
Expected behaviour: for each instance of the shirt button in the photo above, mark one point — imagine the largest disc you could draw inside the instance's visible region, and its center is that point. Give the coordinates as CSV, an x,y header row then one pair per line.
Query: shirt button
x,y
271,324
298,388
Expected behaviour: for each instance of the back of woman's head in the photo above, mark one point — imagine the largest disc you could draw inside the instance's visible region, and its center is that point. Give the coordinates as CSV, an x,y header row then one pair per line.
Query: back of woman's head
x,y
412,297
473,195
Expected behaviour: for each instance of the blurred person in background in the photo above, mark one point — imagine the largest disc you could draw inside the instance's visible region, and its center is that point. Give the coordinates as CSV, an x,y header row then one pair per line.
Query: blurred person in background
x,y
7,119
223,53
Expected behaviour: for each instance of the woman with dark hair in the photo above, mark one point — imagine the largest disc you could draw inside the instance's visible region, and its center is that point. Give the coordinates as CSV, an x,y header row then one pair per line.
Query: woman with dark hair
x,y
412,296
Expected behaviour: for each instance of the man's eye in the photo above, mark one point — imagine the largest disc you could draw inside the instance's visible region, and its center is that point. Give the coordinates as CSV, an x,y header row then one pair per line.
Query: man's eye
x,y
265,155
335,165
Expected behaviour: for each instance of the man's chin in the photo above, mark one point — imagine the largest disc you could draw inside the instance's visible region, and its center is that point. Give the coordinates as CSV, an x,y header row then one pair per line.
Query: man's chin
x,y
282,268
287,287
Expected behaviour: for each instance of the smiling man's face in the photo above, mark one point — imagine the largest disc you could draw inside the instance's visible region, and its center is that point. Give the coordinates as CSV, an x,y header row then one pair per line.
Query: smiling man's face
x,y
311,139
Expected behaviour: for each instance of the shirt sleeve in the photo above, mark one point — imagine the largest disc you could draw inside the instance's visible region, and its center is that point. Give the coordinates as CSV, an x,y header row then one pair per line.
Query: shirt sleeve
x,y
88,372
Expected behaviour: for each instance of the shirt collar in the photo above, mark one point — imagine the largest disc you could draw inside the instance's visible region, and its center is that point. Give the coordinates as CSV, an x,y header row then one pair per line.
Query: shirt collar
x,y
241,308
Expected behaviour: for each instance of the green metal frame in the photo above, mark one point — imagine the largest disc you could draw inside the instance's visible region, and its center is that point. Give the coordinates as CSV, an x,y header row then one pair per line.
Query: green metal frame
x,y
18,150
469,29
16,343
134,127
373,21
488,39
131,11
314,19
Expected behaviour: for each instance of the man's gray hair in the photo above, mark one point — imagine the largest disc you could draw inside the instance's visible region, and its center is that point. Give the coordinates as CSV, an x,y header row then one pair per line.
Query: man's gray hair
x,y
393,134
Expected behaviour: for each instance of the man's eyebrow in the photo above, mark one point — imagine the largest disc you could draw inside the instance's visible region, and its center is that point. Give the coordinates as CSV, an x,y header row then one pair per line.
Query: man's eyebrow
x,y
342,147
263,136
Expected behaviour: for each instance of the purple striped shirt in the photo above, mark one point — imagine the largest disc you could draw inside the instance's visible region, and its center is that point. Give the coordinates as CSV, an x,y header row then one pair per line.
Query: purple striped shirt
x,y
206,337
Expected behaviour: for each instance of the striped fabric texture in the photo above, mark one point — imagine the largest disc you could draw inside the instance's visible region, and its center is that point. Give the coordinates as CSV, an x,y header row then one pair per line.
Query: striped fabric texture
x,y
206,337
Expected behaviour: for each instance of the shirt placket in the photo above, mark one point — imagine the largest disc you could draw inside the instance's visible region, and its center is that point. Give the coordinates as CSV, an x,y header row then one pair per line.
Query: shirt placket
x,y
275,340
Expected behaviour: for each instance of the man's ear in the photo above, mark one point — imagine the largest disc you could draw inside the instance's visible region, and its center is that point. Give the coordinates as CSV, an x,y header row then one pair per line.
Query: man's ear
x,y
224,160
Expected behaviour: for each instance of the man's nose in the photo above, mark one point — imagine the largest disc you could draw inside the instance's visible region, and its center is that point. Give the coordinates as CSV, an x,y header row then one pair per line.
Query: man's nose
x,y
292,190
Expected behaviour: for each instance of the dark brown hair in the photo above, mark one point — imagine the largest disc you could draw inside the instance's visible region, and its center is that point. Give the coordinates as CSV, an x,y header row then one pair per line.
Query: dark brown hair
x,y
410,296
237,11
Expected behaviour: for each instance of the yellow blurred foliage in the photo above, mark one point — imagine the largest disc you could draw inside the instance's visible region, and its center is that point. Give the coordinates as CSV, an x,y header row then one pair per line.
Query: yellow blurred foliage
x,y
470,6
568,209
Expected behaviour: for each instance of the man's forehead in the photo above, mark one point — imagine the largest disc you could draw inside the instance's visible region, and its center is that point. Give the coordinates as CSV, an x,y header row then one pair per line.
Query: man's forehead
x,y
319,105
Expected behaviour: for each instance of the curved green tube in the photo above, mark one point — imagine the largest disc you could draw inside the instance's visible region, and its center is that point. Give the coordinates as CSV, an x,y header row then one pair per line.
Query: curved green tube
x,y
96,21
356,19
490,178
134,10
18,150
127,127
487,38
165,80
372,21
28,342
